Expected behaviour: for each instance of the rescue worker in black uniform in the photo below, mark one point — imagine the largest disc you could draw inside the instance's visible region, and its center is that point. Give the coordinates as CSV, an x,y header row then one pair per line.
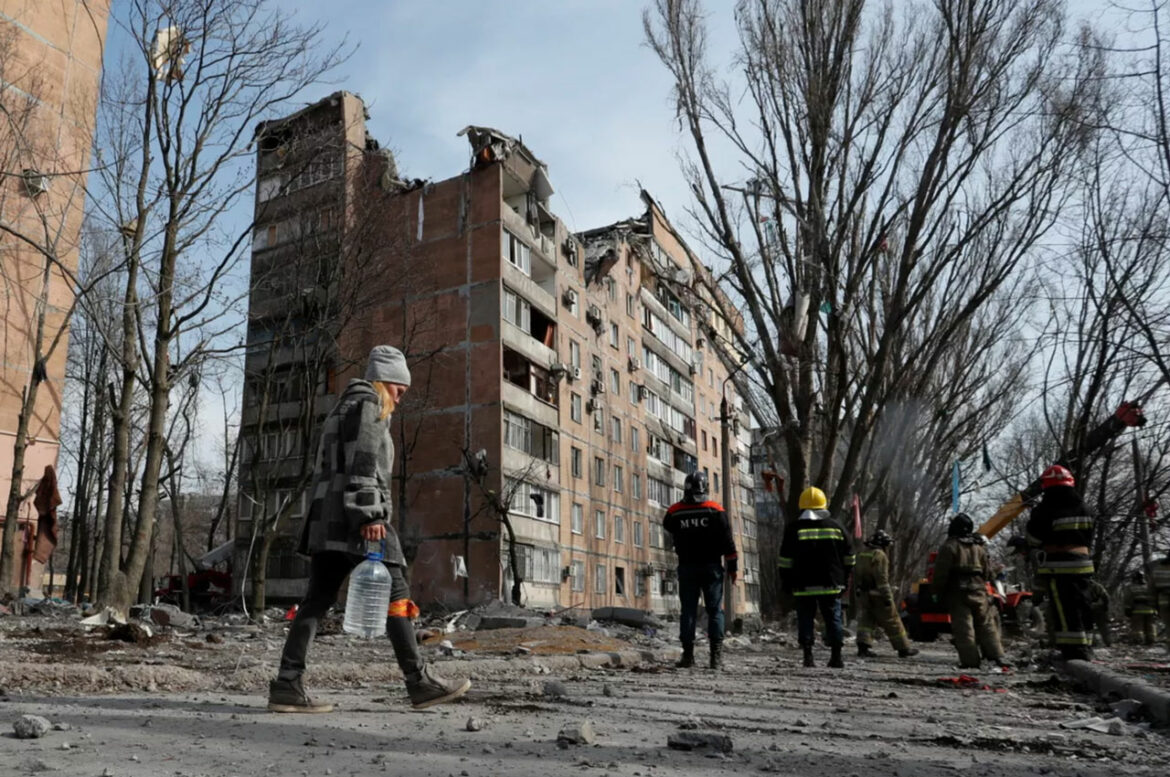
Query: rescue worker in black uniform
x,y
1061,528
703,541
816,558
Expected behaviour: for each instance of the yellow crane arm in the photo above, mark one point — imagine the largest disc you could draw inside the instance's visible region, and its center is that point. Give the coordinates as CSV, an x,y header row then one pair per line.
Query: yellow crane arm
x,y
1007,513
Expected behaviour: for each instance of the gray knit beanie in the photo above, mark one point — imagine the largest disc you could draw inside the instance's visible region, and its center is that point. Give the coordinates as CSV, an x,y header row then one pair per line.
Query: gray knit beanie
x,y
387,364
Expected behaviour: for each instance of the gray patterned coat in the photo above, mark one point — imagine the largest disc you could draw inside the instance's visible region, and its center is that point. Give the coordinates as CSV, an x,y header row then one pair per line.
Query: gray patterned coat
x,y
352,477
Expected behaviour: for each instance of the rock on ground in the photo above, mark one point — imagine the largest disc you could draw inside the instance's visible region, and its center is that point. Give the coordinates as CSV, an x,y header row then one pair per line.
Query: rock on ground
x,y
31,727
579,733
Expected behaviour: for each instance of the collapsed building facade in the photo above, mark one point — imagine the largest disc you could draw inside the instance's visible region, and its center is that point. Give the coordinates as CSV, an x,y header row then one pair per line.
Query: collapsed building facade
x,y
566,382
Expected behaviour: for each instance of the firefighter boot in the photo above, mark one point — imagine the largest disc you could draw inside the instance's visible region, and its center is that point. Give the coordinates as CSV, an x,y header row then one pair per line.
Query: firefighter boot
x,y
865,651
835,661
808,656
716,655
688,657
907,652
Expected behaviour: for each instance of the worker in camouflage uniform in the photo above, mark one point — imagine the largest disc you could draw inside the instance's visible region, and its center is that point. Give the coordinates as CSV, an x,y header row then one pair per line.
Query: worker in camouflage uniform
x,y
1161,579
875,598
1099,607
961,572
1140,607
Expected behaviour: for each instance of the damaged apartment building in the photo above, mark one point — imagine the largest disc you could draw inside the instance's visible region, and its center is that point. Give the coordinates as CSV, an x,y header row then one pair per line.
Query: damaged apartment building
x,y
570,374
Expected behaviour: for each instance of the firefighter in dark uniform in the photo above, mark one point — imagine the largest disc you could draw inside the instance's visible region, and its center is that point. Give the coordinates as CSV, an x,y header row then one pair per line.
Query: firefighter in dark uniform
x,y
961,573
1061,527
875,598
702,539
1141,609
816,558
1160,577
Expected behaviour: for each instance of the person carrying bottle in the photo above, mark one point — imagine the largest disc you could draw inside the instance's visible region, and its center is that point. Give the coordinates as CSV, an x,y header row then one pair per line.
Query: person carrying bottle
x,y
350,506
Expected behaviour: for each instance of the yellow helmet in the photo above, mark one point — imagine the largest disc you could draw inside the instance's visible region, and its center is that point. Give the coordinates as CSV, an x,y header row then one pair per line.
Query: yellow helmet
x,y
812,498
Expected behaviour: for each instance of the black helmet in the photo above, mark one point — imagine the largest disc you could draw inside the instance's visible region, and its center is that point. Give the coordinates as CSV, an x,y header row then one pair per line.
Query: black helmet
x,y
961,526
1018,543
695,488
880,539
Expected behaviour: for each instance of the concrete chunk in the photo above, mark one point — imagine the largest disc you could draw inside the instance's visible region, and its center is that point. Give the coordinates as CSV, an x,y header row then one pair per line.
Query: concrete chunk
x,y
579,733
693,740
31,727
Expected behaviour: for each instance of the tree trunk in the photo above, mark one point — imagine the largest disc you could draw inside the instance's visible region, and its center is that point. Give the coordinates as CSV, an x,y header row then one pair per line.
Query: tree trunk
x,y
513,561
260,573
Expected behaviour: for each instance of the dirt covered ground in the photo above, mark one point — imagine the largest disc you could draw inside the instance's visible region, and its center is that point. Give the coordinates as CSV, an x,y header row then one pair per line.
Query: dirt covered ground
x,y
191,704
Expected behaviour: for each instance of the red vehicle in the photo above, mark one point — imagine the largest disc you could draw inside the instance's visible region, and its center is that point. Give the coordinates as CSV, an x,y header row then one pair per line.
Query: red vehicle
x,y
209,589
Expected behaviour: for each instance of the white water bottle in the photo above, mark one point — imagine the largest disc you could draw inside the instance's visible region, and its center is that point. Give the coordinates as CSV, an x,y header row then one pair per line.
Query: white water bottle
x,y
368,598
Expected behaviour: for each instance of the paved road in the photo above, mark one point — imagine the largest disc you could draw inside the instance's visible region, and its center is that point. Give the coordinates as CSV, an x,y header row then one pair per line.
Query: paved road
x,y
878,717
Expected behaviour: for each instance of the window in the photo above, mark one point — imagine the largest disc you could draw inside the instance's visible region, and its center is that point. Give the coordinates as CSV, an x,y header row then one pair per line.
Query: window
x,y
639,586
599,525
711,377
539,565
655,534
631,347
577,575
704,439
516,310
598,471
615,382
714,446
616,429
619,480
655,364
533,501
611,288
634,394
516,252
636,485
635,439
599,579
619,581
531,437
717,482
267,188
572,302
619,529
614,335
575,458
578,519
599,420
574,353
653,324
660,492
575,407
630,305
637,534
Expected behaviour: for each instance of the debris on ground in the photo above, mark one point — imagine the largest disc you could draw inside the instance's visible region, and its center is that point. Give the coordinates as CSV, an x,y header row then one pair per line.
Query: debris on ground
x,y
579,733
694,740
555,689
475,724
967,681
1109,725
134,633
31,727
540,640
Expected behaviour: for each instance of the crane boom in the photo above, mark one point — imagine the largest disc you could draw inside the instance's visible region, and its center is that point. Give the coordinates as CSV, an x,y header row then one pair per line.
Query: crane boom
x,y
1127,415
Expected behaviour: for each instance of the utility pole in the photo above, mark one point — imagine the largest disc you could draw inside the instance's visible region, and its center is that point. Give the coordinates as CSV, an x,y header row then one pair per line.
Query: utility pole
x,y
1143,521
725,436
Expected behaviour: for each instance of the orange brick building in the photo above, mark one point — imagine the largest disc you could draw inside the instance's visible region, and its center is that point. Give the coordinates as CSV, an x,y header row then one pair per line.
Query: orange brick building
x,y
570,360
50,64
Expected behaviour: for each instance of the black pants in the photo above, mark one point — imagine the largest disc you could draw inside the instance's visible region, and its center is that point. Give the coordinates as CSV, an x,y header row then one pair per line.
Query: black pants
x,y
806,613
695,580
327,572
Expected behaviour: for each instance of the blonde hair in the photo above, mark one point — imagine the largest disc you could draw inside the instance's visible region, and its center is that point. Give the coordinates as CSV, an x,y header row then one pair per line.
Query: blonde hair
x,y
385,398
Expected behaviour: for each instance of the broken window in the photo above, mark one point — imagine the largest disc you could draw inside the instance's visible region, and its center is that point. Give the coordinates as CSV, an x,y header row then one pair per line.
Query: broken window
x,y
619,581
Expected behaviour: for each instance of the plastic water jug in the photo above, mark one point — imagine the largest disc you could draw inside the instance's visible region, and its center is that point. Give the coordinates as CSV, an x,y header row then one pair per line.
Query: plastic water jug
x,y
368,598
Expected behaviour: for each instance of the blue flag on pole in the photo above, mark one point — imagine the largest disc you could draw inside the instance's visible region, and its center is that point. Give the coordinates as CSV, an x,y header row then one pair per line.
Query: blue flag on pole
x,y
955,488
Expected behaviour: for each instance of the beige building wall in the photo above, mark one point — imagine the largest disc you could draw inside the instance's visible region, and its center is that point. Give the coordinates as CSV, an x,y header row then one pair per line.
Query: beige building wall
x,y
50,66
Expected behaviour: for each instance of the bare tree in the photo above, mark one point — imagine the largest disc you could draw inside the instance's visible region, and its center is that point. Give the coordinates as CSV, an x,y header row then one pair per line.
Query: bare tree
x,y
176,135
901,162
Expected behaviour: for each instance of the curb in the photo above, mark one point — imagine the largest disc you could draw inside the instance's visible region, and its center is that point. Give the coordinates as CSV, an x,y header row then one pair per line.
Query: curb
x,y
1111,685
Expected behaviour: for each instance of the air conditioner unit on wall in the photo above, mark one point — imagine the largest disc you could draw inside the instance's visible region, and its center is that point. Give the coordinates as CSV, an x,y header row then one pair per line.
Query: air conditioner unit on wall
x,y
575,373
592,405
635,365
569,297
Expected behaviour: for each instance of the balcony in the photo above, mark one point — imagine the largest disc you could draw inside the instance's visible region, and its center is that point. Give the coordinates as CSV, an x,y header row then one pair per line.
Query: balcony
x,y
530,388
